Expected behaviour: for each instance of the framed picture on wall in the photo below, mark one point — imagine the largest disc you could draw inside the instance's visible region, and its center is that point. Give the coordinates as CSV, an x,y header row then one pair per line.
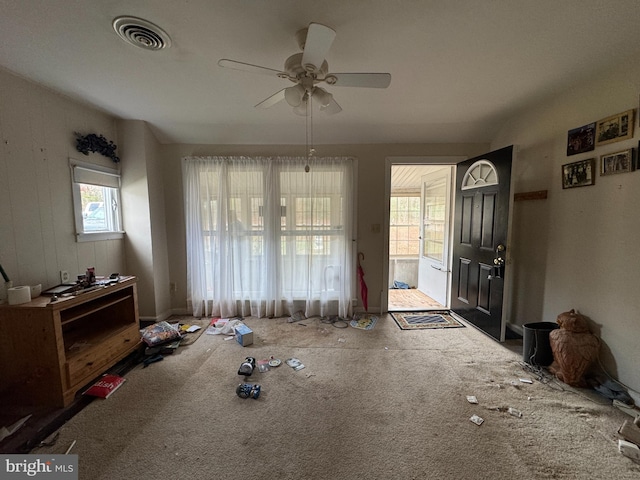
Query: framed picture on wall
x,y
581,139
615,128
579,174
617,162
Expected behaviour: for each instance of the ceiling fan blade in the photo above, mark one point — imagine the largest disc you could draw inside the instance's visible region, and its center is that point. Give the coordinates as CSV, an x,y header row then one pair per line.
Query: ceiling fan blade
x,y
246,67
332,108
272,100
371,80
317,45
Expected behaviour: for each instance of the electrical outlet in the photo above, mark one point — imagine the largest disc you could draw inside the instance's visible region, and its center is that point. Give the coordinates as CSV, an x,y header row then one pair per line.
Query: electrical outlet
x,y
64,276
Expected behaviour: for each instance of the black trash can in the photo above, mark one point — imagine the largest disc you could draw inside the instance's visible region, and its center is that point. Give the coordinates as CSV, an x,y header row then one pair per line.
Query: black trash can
x,y
536,345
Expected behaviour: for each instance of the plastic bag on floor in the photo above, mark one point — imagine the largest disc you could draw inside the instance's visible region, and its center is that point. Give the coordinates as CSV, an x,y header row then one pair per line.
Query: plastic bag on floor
x,y
223,326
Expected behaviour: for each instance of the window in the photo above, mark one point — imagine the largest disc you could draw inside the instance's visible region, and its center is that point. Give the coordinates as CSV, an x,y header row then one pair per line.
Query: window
x,y
480,174
404,226
263,233
96,202
434,221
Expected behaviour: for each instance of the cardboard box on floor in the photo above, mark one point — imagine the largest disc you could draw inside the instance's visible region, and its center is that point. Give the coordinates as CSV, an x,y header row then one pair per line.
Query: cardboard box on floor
x,y
630,432
244,335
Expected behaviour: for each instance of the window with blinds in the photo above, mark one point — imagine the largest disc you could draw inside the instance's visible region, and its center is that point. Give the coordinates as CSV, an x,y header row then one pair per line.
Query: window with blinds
x,y
96,202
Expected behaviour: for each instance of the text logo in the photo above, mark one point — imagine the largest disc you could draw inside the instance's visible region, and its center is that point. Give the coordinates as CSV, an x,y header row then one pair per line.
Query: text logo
x,y
52,467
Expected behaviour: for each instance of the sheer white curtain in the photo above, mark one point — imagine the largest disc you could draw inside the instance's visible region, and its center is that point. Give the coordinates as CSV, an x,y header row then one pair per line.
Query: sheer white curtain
x,y
267,238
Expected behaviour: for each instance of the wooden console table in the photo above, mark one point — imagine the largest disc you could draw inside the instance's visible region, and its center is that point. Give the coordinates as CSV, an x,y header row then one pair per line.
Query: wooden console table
x,y
51,350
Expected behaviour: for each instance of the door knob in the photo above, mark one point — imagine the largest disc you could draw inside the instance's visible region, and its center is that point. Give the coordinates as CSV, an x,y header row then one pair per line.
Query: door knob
x,y
498,263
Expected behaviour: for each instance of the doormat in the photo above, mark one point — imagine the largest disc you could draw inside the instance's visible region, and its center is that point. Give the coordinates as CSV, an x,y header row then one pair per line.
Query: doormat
x,y
364,322
425,320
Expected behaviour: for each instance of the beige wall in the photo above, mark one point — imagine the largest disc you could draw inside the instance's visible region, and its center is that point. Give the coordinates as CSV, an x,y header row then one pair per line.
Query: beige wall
x,y
579,248
37,232
144,218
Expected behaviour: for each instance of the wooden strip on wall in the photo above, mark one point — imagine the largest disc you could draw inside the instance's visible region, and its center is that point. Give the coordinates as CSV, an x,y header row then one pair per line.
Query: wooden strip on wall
x,y
539,195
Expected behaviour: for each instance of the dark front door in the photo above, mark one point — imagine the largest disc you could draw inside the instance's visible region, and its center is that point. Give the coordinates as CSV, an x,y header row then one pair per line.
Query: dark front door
x,y
480,233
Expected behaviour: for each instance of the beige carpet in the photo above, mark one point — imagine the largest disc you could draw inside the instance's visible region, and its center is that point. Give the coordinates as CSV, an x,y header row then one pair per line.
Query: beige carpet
x,y
378,404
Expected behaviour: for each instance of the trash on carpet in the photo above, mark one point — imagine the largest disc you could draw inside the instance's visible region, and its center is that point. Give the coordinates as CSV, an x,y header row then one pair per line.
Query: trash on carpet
x,y
510,410
476,419
630,450
70,447
472,399
628,409
222,326
104,387
159,333
263,365
247,367
363,321
244,335
611,389
164,349
294,363
335,321
274,362
153,359
630,432
246,390
514,412
297,316
11,429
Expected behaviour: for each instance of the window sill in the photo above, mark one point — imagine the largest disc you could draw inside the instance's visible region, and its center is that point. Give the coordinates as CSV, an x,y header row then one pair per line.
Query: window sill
x,y
98,236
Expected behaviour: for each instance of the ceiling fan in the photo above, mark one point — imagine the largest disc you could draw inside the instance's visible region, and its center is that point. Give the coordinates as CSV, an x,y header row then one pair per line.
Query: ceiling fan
x,y
309,68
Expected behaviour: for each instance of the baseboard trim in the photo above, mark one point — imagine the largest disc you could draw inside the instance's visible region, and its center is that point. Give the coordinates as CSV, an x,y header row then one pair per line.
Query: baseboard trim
x,y
515,328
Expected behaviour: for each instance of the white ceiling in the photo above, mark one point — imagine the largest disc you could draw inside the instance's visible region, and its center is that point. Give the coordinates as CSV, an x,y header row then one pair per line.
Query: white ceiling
x,y
459,68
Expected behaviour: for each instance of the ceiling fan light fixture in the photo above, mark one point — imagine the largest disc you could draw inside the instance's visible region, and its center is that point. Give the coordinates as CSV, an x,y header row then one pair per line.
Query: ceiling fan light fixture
x,y
294,95
322,97
301,109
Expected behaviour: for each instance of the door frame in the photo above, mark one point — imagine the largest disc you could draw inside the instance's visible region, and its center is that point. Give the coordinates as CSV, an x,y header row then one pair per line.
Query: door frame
x,y
427,160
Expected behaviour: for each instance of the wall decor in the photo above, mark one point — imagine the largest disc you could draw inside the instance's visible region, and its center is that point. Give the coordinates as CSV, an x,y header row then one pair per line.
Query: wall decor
x,y
96,143
615,128
617,162
579,174
581,139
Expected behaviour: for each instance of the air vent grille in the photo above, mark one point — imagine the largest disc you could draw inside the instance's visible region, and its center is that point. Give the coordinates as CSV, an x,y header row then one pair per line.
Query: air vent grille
x,y
141,33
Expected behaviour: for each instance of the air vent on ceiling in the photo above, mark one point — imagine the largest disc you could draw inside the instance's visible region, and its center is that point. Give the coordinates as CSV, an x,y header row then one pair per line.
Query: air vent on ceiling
x,y
141,33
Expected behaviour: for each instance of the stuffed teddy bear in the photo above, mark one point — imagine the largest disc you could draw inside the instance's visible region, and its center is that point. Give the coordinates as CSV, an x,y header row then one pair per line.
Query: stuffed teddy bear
x,y
574,349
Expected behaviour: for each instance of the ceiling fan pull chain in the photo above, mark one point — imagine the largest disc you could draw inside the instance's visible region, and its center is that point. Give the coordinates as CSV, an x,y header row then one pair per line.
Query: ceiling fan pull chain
x,y
312,151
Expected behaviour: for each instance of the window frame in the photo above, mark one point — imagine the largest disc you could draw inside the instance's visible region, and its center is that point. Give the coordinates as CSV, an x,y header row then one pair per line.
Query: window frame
x,y
98,174
395,227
